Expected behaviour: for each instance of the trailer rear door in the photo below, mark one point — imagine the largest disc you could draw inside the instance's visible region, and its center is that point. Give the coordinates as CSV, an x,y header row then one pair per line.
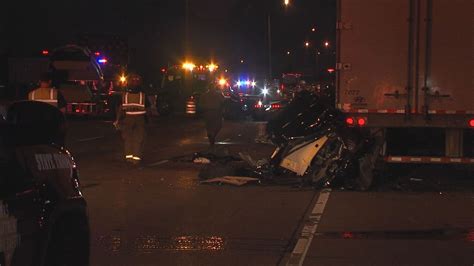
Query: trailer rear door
x,y
373,51
447,56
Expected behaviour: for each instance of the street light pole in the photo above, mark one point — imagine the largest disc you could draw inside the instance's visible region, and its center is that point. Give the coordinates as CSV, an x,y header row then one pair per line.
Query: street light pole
x,y
269,24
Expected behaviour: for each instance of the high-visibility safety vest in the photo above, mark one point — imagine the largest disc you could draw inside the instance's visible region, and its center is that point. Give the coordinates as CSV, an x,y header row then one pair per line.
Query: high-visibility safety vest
x,y
46,95
134,103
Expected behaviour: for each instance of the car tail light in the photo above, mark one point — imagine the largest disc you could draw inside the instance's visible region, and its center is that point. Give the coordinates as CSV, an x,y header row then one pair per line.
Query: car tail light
x,y
471,123
350,121
276,106
361,122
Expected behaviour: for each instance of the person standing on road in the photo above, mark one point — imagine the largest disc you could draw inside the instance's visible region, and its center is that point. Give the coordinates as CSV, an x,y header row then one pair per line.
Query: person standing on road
x,y
48,94
131,119
212,104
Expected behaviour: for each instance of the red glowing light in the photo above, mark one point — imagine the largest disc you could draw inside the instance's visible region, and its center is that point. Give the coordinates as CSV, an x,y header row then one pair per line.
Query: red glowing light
x,y
163,70
348,235
361,122
471,123
97,53
45,52
350,121
331,70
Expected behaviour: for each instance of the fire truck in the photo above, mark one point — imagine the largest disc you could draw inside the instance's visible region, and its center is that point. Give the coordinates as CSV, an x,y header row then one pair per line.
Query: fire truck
x,y
404,70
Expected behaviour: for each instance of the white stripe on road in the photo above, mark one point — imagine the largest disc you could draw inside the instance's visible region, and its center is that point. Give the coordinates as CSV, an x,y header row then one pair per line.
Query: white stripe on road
x,y
158,163
309,229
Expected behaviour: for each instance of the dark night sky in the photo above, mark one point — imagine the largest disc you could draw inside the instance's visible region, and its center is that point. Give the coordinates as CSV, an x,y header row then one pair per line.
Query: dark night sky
x,y
224,30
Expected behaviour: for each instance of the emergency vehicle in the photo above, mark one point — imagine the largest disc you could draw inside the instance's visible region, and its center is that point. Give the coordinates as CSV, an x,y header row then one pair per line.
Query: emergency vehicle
x,y
43,216
404,70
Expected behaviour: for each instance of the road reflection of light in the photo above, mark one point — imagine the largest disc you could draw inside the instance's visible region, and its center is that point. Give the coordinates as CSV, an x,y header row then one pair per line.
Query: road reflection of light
x,y
150,244
185,141
186,182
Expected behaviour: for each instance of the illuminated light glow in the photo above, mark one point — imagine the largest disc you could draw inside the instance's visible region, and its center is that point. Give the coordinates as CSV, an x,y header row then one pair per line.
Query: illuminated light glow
x,y
326,44
350,121
45,52
254,83
123,79
278,91
259,103
163,70
189,66
313,29
212,67
288,52
306,44
242,61
222,81
97,53
471,123
247,82
286,2
239,83
265,91
103,60
361,122
331,70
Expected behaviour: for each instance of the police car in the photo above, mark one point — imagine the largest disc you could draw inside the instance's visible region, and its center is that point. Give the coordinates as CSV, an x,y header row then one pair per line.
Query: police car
x,y
43,216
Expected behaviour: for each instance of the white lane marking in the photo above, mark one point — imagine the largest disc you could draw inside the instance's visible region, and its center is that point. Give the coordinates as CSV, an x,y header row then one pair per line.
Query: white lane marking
x,y
158,163
309,230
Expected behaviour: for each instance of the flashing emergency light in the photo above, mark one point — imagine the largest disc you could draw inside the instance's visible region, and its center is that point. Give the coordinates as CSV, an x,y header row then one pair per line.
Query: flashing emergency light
x,y
103,60
211,67
471,123
253,83
45,52
122,78
265,91
239,83
247,83
97,53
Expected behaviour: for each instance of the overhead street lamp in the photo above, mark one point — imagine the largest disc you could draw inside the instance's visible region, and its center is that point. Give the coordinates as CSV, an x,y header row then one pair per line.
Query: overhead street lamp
x,y
286,2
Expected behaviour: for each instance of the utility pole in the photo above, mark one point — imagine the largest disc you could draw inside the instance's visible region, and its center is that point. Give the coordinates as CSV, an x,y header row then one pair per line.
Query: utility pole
x,y
186,37
269,24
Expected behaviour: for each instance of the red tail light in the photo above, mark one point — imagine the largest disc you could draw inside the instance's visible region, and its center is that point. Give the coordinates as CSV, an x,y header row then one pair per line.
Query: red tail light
x,y
350,121
361,122
471,123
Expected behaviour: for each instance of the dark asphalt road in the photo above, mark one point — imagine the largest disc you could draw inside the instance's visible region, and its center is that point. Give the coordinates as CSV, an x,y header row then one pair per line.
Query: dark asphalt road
x,y
161,215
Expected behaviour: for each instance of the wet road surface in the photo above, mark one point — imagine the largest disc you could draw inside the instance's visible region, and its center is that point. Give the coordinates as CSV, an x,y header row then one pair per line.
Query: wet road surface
x,y
159,214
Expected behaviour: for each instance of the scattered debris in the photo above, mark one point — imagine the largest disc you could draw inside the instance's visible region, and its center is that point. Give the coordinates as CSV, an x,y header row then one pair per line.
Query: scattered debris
x,y
201,160
231,180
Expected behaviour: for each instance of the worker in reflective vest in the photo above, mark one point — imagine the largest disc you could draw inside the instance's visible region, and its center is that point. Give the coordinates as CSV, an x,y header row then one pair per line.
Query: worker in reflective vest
x,y
47,94
131,119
